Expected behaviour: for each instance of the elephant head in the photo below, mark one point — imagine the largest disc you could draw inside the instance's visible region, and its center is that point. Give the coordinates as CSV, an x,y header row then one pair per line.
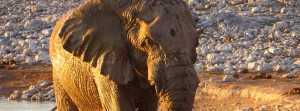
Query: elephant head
x,y
153,39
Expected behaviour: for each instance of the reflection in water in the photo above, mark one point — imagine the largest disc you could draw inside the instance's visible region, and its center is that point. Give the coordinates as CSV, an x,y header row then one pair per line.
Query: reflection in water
x,y
13,105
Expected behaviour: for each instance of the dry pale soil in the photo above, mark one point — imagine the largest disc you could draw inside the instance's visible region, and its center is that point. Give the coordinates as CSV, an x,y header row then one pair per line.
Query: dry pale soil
x,y
212,95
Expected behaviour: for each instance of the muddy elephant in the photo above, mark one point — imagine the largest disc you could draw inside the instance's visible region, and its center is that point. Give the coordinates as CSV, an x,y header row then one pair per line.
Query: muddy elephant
x,y
125,55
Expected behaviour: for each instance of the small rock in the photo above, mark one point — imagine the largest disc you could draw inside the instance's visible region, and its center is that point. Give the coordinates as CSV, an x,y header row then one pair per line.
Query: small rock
x,y
192,2
297,62
26,96
228,70
47,32
252,65
36,9
33,24
290,13
51,93
38,96
295,34
243,71
212,69
199,70
268,54
212,57
278,34
292,52
284,10
42,56
280,25
44,83
32,90
288,76
296,70
262,68
279,68
274,50
10,34
251,58
213,79
29,60
220,66
15,95
255,10
228,78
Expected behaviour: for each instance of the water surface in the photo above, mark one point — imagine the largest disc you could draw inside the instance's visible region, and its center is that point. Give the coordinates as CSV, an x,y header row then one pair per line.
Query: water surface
x,y
13,105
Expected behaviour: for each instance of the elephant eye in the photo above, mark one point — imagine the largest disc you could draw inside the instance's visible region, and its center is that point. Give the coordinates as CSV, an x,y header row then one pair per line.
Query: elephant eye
x,y
143,44
147,42
172,32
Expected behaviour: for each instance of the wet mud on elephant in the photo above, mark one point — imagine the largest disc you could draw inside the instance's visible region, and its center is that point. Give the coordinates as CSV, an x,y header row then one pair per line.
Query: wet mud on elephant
x,y
125,55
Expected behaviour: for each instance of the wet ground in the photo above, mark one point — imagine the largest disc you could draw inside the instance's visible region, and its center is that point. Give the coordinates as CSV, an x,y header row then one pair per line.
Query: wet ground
x,y
212,95
13,105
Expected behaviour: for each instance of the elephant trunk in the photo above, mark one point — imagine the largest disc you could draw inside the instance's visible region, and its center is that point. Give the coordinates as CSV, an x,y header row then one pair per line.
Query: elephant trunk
x,y
179,88
176,83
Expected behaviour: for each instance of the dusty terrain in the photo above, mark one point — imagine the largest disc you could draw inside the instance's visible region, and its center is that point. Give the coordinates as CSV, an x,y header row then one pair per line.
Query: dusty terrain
x,y
246,94
21,77
213,94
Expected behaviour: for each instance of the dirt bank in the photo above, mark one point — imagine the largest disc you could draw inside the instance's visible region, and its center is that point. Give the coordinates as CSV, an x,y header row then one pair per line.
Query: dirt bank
x,y
212,94
247,94
22,76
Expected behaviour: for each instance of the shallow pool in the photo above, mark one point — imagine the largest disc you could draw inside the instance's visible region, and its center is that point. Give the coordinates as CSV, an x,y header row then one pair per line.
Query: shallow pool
x,y
13,105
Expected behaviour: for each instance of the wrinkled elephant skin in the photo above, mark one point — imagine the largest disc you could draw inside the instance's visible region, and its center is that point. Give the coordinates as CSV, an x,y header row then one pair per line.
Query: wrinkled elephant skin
x,y
125,55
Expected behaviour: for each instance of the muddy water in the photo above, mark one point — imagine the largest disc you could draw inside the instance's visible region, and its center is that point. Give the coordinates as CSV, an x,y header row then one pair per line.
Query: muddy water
x,y
13,105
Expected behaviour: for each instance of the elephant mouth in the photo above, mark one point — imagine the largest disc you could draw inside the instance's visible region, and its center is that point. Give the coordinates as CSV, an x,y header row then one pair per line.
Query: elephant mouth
x,y
175,61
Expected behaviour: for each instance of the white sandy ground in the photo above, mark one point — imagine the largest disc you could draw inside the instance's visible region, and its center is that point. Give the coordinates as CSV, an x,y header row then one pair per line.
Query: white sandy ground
x,y
262,35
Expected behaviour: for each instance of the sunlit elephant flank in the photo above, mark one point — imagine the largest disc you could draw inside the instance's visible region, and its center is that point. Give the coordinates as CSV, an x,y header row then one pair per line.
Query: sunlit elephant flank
x,y
125,55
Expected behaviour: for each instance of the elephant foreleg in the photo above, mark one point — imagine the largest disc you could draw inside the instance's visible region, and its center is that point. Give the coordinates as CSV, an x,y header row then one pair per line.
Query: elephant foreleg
x,y
113,96
63,101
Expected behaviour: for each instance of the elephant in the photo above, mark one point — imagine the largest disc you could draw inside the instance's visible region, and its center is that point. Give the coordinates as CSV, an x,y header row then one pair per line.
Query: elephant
x,y
125,55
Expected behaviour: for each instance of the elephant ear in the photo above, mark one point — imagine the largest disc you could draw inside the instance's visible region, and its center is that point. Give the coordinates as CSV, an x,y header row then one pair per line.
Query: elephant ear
x,y
94,34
